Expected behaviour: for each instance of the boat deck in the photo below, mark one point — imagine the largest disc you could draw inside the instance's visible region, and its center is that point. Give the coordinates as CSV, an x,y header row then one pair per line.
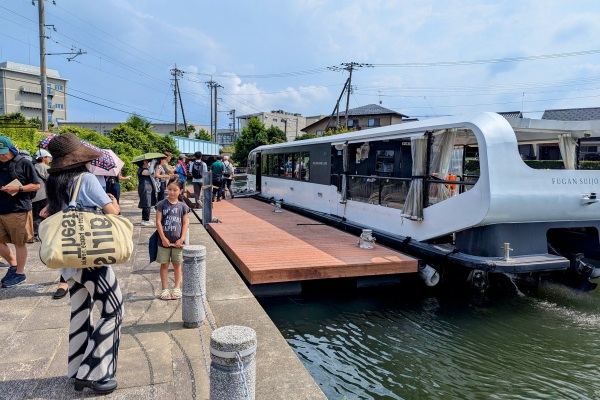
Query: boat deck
x,y
269,247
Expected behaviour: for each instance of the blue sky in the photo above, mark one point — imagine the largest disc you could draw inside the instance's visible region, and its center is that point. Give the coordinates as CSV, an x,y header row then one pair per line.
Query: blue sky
x,y
429,58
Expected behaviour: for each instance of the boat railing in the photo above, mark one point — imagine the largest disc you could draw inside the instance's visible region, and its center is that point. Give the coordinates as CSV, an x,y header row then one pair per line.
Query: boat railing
x,y
391,192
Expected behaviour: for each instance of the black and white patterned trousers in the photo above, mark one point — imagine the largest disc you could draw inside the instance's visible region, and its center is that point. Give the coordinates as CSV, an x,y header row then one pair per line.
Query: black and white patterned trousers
x,y
93,350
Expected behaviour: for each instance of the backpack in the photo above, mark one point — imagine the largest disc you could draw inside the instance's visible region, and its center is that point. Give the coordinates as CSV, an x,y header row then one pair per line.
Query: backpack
x,y
197,170
13,171
227,171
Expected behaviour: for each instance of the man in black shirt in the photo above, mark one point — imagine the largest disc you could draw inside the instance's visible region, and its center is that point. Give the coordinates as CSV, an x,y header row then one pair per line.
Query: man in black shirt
x,y
18,180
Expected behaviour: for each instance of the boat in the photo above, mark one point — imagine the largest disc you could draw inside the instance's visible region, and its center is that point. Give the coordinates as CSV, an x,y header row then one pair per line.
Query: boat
x,y
455,192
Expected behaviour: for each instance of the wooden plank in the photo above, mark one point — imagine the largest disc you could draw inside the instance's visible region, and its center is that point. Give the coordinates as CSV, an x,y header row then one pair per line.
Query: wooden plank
x,y
270,247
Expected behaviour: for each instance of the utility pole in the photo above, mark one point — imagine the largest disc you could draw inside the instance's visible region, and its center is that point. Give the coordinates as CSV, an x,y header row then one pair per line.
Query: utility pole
x,y
351,66
210,85
177,73
43,78
213,86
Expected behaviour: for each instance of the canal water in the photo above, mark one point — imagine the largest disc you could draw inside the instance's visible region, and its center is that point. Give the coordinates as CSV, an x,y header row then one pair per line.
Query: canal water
x,y
396,344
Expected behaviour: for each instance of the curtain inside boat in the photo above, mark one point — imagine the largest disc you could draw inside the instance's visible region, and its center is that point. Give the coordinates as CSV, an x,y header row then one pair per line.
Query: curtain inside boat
x,y
346,167
442,154
413,208
567,146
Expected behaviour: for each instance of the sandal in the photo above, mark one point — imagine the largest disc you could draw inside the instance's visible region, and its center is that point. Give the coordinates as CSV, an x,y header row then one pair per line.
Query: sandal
x,y
176,295
165,294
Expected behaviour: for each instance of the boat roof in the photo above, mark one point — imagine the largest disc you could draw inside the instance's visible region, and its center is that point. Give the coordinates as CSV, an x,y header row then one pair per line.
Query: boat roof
x,y
526,130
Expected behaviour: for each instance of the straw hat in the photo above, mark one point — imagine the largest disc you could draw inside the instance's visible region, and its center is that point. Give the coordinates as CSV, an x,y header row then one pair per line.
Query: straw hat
x,y
68,152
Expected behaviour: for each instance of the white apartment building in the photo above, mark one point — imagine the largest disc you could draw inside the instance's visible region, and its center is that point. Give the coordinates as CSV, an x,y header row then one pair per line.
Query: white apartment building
x,y
291,123
20,91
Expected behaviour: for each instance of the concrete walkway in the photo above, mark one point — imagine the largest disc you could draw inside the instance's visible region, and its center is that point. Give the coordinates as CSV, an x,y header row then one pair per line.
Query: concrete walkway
x,y
158,357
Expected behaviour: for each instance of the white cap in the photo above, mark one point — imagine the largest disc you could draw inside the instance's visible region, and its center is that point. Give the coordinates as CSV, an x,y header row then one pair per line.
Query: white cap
x,y
42,153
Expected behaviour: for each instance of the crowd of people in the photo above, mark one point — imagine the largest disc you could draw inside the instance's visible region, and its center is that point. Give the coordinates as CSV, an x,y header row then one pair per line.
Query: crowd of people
x,y
34,188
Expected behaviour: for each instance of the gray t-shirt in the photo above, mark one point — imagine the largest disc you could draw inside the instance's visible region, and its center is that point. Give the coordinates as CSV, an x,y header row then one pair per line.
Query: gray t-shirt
x,y
172,218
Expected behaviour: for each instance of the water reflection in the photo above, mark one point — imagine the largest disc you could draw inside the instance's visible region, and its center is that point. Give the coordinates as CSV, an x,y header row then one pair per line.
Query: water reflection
x,y
386,345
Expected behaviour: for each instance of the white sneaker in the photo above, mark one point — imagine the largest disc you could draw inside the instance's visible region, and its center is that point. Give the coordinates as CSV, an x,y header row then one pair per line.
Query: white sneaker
x,y
147,223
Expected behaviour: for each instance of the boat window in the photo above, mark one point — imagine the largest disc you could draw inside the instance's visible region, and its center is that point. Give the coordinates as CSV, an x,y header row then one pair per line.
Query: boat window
x,y
303,166
251,159
296,165
446,171
264,166
289,165
384,162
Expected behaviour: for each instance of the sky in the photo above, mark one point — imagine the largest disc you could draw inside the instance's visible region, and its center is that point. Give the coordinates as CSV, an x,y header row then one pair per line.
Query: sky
x,y
422,58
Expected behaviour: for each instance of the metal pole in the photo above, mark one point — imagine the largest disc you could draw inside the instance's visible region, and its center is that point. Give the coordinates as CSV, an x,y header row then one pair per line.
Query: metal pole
x,y
193,286
207,199
43,79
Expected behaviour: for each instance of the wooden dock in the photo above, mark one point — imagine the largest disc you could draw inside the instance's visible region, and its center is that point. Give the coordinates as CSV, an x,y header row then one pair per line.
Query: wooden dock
x,y
269,247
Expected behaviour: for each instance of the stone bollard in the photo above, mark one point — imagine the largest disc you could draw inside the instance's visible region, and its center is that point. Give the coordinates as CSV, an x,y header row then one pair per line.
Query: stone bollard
x,y
232,378
193,285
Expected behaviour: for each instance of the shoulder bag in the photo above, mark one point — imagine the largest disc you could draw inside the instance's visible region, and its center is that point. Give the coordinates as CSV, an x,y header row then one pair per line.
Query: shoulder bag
x,y
80,237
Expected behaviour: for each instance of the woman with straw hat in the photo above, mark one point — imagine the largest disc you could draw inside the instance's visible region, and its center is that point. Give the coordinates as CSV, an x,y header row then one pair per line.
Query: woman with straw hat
x,y
92,349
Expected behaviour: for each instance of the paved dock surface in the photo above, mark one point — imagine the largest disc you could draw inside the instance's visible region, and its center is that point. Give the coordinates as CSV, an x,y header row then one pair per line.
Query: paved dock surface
x,y
158,357
270,247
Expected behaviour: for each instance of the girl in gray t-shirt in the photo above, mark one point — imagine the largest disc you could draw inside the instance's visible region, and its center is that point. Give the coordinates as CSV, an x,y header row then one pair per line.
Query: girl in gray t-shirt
x,y
172,225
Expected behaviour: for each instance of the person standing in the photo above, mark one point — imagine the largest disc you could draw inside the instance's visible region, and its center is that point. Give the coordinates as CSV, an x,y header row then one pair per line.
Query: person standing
x,y
161,174
93,350
145,191
16,219
43,159
113,185
172,225
181,169
228,176
217,169
199,171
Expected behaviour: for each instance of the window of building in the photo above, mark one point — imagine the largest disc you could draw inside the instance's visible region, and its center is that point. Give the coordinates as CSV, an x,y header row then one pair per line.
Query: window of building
x,y
49,103
274,119
58,106
352,122
319,133
58,87
374,122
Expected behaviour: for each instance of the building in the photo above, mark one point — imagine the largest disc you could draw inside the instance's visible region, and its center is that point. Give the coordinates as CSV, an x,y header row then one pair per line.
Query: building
x,y
588,147
291,123
369,116
20,91
105,127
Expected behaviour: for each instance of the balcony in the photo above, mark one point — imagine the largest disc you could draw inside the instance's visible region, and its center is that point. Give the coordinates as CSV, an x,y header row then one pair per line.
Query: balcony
x,y
35,90
33,105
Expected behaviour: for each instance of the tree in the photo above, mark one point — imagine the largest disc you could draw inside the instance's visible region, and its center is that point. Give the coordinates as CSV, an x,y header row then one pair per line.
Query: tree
x,y
203,135
305,136
276,135
253,135
329,132
139,123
